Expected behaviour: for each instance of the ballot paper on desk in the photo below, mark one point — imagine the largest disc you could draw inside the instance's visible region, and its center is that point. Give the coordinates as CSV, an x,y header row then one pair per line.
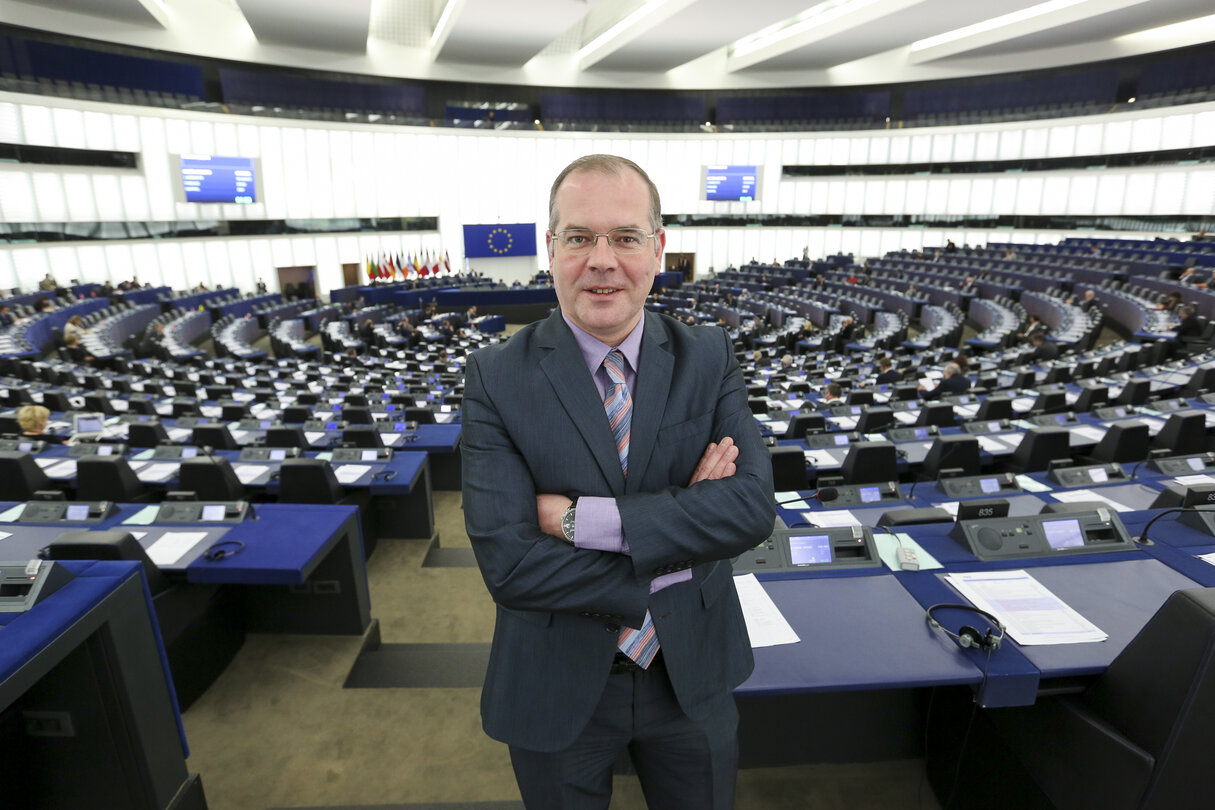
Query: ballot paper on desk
x,y
1031,614
790,500
1081,495
766,627
349,473
846,422
314,436
1093,434
821,458
248,473
906,417
157,473
994,444
831,518
1191,480
180,434
172,546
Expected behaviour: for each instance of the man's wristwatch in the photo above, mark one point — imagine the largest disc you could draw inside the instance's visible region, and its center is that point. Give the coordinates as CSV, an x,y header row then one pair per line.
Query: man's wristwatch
x,y
567,522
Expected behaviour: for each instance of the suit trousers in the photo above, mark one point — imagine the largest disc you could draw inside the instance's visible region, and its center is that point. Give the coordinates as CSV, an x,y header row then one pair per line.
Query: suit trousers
x,y
681,763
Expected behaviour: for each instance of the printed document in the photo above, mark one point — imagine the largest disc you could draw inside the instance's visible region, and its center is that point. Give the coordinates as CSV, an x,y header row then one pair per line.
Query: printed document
x,y
765,624
1029,611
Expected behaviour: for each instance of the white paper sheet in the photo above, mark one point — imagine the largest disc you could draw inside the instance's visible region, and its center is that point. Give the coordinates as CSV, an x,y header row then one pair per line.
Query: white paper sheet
x,y
248,473
1077,495
314,436
66,468
831,518
171,546
1207,558
1030,612
161,471
349,473
821,458
1089,432
765,624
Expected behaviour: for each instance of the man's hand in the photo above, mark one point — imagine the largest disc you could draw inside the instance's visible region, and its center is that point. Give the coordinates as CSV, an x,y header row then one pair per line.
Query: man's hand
x,y
717,461
550,508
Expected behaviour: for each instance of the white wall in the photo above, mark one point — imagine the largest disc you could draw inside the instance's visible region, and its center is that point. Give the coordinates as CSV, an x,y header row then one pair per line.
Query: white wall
x,y
328,170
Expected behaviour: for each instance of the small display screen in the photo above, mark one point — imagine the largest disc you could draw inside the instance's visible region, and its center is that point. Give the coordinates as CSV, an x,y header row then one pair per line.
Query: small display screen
x,y
1061,418
993,427
278,455
400,426
105,450
1197,464
921,433
189,452
810,549
1063,533
265,423
331,425
88,425
841,440
989,485
870,494
25,447
1099,475
215,179
78,511
369,455
213,511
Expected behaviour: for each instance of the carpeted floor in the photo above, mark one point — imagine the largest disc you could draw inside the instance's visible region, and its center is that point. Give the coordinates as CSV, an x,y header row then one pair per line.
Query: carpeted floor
x,y
294,723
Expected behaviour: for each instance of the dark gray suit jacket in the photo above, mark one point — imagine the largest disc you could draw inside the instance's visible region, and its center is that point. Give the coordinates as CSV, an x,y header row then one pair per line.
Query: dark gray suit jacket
x,y
533,422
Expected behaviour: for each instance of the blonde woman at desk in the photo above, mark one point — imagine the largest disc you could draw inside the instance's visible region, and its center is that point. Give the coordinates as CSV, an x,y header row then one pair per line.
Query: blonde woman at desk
x,y
33,420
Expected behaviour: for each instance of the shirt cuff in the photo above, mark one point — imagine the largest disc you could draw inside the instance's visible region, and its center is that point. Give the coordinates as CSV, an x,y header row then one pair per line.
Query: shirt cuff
x,y
597,525
667,580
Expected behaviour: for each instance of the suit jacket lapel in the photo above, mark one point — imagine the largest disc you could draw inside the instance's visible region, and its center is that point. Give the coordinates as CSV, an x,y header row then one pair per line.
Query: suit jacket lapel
x,y
566,370
650,398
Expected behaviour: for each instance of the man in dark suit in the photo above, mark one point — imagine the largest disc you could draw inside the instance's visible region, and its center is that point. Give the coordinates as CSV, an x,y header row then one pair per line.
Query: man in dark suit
x,y
611,470
955,382
888,373
1044,350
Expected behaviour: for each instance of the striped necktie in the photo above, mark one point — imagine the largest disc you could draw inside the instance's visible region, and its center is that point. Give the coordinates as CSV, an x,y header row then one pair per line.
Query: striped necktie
x,y
639,645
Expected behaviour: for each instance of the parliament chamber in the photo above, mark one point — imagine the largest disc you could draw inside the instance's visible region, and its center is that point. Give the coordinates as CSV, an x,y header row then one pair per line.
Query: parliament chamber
x,y
971,302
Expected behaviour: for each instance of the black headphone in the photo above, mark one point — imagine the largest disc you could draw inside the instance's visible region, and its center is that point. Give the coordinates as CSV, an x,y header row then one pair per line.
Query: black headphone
x,y
223,549
968,638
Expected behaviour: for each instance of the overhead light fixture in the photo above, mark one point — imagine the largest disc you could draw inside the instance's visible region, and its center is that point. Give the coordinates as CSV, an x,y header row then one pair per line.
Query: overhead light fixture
x,y
809,19
982,27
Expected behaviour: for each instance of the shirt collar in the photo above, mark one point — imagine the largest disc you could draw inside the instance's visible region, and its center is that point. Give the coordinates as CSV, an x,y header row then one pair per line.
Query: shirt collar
x,y
594,350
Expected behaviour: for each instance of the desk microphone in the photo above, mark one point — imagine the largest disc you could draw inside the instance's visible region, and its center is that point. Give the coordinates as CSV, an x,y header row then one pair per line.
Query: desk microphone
x,y
826,494
1143,539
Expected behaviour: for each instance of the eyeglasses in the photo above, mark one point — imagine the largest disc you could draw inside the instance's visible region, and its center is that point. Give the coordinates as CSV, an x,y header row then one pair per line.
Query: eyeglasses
x,y
622,240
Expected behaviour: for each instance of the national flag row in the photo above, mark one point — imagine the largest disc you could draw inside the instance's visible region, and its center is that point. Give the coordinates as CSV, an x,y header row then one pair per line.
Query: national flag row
x,y
419,265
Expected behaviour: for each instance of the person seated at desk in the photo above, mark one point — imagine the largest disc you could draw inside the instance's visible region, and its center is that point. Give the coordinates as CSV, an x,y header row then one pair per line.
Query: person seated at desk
x,y
1193,278
1043,350
32,420
7,318
367,332
1032,328
74,327
1088,301
1170,302
1189,330
955,382
75,352
833,395
887,373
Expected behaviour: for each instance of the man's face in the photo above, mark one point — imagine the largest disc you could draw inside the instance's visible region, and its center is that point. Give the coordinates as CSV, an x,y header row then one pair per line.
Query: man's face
x,y
600,291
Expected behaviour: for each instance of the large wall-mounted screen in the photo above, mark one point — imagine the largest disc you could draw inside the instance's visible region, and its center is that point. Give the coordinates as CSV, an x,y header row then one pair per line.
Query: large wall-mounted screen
x,y
218,179
730,183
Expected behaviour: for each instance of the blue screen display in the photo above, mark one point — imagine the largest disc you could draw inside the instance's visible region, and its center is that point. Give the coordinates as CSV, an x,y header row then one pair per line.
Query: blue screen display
x,y
809,549
731,183
215,179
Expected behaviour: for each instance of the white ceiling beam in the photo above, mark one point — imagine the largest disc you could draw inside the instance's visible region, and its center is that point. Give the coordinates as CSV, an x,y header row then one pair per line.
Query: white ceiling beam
x,y
642,19
1042,17
444,24
816,24
158,11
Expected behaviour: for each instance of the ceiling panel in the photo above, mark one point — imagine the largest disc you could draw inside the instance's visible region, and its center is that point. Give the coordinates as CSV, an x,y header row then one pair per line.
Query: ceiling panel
x,y
697,30
892,31
130,11
327,25
505,33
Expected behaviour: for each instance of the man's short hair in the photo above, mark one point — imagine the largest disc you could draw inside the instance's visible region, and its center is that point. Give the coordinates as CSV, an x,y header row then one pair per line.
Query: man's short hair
x,y
952,369
885,362
33,417
1038,338
609,165
1188,310
835,390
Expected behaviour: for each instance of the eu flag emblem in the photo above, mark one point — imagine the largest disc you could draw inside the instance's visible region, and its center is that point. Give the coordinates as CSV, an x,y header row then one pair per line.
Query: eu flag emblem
x,y
489,241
